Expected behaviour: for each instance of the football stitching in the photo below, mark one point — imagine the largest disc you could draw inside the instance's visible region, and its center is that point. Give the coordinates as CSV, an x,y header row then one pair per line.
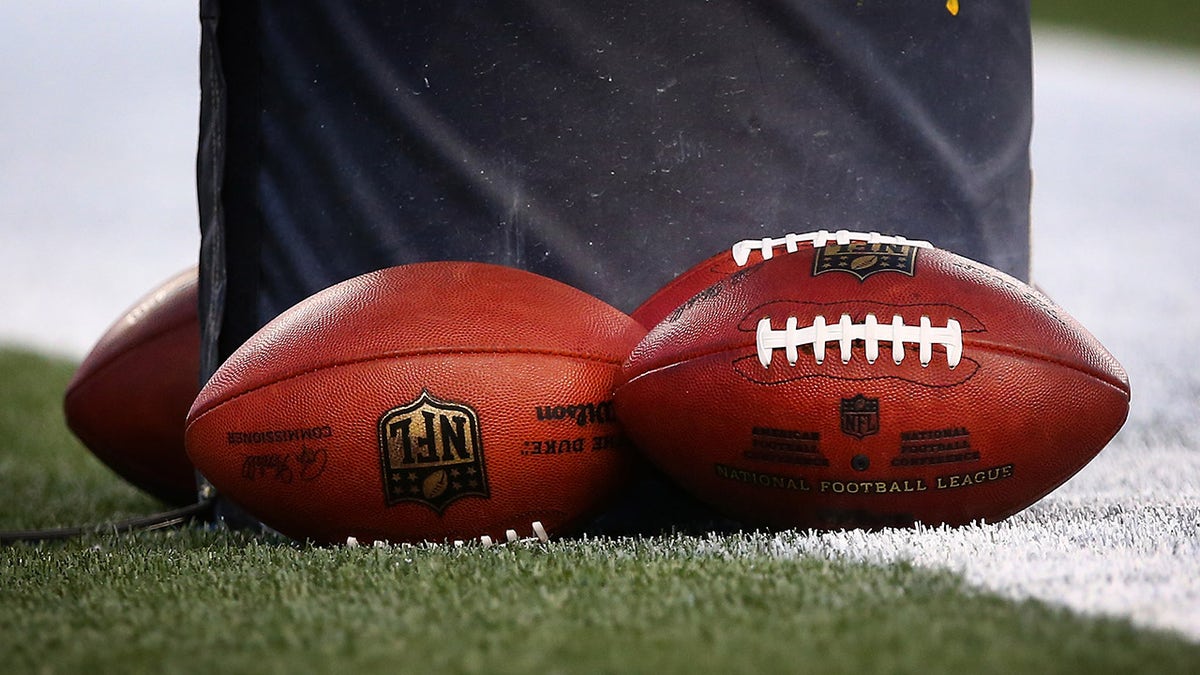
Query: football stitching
x,y
983,346
845,332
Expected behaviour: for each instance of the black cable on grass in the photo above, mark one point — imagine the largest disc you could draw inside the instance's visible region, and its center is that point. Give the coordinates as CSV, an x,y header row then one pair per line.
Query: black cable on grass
x,y
201,511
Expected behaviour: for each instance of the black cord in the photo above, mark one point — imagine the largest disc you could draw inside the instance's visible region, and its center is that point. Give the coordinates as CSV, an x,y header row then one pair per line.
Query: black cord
x,y
201,510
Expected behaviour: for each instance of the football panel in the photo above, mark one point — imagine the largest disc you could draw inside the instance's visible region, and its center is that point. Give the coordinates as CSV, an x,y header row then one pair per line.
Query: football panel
x,y
129,399
421,448
829,452
131,413
419,308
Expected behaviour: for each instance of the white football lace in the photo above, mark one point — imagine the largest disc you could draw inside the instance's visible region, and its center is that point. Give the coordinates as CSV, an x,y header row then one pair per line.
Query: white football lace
x,y
510,536
845,332
539,535
741,250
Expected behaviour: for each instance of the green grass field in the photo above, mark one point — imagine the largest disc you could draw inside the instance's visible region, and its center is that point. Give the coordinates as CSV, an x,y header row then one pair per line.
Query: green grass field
x,y
201,600
1166,22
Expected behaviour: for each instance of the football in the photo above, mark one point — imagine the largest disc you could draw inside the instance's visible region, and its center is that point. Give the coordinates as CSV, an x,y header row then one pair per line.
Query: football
x,y
428,402
128,400
869,385
742,254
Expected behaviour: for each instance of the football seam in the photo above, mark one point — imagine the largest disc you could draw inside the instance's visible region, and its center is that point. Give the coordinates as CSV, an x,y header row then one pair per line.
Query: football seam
x,y
433,351
112,360
986,346
1033,356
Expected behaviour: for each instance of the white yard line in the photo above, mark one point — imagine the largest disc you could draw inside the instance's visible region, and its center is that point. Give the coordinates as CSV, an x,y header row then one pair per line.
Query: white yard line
x,y
1117,160
97,206
1121,539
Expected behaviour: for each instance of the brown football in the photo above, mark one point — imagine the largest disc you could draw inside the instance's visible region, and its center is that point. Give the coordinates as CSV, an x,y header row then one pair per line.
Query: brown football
x,y
870,384
129,398
428,402
741,255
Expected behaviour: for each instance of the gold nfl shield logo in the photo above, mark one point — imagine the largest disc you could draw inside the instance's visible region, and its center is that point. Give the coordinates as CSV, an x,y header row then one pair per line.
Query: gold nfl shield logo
x,y
862,259
860,416
430,452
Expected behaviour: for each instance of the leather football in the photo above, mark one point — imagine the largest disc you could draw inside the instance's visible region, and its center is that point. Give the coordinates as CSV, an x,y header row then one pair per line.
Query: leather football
x,y
428,402
870,384
128,399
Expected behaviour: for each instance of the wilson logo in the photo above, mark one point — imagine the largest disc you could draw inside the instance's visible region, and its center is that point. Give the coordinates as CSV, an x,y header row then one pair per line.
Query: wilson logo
x,y
582,414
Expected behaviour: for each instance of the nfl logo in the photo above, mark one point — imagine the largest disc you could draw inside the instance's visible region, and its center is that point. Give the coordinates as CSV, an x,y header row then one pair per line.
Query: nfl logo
x,y
861,260
860,416
431,453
